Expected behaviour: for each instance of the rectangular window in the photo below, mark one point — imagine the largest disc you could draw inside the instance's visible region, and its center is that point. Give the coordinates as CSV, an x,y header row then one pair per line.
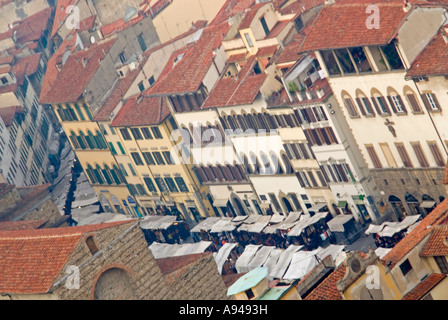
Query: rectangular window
x,y
442,263
148,158
181,184
397,104
120,146
136,133
122,57
112,148
161,184
149,184
141,42
274,201
382,105
146,133
137,159
420,154
125,134
151,81
123,170
156,132
141,86
168,157
373,156
249,40
405,267
159,158
404,155
171,185
436,153
264,25
388,155
414,104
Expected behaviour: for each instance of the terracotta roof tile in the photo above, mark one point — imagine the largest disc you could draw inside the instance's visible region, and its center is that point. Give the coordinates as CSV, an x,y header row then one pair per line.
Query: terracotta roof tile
x,y
437,244
250,15
424,287
427,62
61,14
423,229
73,73
231,8
188,66
20,225
342,25
141,110
7,114
26,66
327,289
32,258
238,90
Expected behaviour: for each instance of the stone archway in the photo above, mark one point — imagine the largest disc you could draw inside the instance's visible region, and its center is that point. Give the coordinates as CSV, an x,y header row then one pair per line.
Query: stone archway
x,y
114,284
398,207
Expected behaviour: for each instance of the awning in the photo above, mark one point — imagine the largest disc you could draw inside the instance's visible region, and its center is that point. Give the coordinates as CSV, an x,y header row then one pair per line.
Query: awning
x,y
427,204
165,250
306,221
342,204
244,259
317,207
220,202
222,255
205,225
157,222
396,227
255,226
337,223
223,225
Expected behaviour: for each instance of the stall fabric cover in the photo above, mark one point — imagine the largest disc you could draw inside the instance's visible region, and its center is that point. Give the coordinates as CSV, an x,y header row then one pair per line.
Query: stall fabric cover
x,y
157,222
205,225
244,259
392,229
260,257
289,221
332,249
337,223
305,221
274,256
301,263
274,221
224,225
105,217
283,262
255,226
381,252
222,255
166,250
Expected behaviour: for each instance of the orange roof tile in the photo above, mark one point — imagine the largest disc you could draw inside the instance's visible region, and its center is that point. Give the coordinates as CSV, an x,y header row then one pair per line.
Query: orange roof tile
x,y
231,8
327,289
60,14
33,258
427,62
20,225
343,25
141,110
74,73
250,15
239,90
424,287
437,244
423,229
7,114
188,66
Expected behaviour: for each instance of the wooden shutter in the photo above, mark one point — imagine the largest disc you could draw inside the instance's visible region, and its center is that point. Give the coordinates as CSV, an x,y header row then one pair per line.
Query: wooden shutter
x,y
420,155
413,102
361,106
392,104
375,104
404,155
436,154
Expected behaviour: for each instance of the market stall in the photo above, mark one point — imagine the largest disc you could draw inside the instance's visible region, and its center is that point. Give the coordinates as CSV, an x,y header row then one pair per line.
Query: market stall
x,y
164,229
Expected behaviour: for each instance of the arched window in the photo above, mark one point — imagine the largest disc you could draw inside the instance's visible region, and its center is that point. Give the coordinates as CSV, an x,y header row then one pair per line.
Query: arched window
x,y
100,140
288,166
107,175
276,165
93,140
256,163
412,99
395,101
91,174
98,175
266,163
364,104
74,140
116,175
349,105
82,141
89,138
379,102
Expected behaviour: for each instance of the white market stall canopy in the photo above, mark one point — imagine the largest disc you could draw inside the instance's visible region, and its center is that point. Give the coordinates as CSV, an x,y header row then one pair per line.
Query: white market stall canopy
x,y
283,262
337,223
245,258
306,221
260,257
157,222
255,223
97,218
222,255
224,225
388,229
205,225
165,250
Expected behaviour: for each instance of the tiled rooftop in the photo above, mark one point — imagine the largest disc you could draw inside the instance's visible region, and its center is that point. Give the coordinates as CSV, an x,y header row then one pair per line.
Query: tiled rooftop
x,y
437,244
424,287
332,28
327,289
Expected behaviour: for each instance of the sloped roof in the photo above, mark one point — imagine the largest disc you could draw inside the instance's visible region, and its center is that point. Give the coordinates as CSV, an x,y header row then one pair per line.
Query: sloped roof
x,y
424,287
142,110
188,66
239,90
7,114
20,225
343,25
327,289
423,229
26,66
437,244
428,61
61,14
74,74
33,258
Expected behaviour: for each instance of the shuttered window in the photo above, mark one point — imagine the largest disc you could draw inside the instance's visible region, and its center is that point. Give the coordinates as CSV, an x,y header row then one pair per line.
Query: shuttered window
x,y
373,156
404,155
420,154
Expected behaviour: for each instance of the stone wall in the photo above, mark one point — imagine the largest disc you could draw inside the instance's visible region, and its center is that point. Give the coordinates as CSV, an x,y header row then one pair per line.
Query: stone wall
x,y
124,249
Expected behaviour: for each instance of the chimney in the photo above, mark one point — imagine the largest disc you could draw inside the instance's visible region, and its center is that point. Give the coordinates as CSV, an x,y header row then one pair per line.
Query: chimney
x,y
406,6
444,34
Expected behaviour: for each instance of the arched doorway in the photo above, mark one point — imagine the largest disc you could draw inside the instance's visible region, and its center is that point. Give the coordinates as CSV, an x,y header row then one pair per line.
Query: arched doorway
x,y
288,207
412,204
397,206
239,206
